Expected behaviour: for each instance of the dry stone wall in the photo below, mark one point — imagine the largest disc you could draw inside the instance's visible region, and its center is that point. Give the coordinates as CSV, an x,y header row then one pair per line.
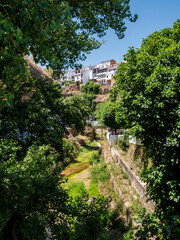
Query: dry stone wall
x,y
136,183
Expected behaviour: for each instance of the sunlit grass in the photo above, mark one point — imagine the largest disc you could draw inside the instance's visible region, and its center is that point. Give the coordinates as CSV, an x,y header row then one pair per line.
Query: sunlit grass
x,y
76,189
75,177
79,167
82,158
93,190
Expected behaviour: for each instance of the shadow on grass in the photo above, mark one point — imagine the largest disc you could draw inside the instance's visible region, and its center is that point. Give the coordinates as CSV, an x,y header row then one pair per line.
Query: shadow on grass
x,y
93,148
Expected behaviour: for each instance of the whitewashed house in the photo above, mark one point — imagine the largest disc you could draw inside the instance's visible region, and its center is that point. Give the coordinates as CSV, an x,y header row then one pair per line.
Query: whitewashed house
x,y
101,73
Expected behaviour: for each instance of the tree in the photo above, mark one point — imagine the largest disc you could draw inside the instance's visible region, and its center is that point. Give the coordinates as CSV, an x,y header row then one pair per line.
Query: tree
x,y
90,88
92,217
58,33
105,114
33,113
76,112
32,154
148,90
31,196
33,205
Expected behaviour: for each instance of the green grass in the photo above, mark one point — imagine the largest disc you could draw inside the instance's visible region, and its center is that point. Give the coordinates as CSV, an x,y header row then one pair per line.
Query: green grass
x,y
75,176
82,158
84,150
125,176
76,189
100,173
136,206
93,189
94,158
91,143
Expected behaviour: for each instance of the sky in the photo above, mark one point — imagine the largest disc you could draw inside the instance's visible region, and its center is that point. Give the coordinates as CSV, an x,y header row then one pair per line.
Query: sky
x,y
153,15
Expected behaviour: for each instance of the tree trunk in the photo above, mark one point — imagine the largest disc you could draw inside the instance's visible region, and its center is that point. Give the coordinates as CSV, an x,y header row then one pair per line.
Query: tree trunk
x,y
10,230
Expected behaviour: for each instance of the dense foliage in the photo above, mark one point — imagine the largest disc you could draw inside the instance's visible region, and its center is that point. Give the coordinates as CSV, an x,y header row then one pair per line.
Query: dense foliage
x,y
148,91
32,153
58,33
31,196
33,115
76,110
105,114
90,88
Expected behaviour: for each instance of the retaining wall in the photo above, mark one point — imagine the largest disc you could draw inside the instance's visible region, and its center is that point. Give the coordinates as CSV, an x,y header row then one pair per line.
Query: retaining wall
x,y
136,183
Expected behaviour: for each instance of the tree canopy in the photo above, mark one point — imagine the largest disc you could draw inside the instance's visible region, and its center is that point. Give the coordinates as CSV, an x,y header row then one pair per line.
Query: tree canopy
x,y
58,33
105,114
90,88
148,103
76,111
34,119
33,113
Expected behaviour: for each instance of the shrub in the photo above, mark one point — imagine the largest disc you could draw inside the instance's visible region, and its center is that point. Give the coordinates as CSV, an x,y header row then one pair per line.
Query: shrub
x,y
123,142
89,132
99,173
74,141
151,226
93,190
92,218
69,151
76,189
90,88
94,158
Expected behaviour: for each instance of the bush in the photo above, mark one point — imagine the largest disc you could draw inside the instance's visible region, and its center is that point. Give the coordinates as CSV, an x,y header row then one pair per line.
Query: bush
x,y
89,132
74,141
94,158
93,189
76,189
123,142
90,88
151,226
92,218
99,173
69,151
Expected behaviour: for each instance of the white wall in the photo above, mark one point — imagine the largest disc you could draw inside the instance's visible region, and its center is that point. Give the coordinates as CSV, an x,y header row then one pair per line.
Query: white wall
x,y
87,76
134,140
112,139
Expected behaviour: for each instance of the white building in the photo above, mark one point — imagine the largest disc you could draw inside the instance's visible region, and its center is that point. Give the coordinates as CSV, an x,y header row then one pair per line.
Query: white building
x,y
68,75
87,74
101,73
78,75
105,71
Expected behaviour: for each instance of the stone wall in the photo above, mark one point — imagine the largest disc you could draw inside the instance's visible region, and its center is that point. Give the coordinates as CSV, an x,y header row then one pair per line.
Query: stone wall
x,y
136,183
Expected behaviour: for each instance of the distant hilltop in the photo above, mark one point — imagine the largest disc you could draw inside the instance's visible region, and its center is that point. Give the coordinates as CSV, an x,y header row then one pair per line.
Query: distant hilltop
x,y
101,73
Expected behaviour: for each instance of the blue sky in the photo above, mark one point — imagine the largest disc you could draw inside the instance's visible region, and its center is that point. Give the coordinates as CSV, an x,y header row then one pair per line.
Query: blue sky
x,y
153,15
